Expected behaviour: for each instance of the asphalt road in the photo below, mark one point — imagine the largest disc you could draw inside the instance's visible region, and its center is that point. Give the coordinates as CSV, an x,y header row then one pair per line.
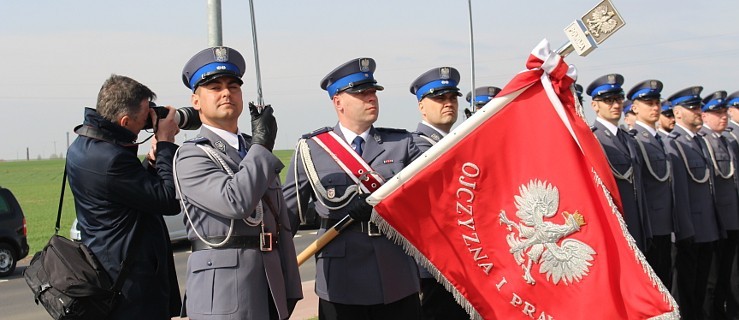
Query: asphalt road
x,y
16,300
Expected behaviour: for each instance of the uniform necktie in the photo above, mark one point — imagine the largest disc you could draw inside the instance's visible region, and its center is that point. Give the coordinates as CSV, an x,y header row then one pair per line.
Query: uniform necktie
x,y
702,146
724,142
357,145
242,146
621,135
659,139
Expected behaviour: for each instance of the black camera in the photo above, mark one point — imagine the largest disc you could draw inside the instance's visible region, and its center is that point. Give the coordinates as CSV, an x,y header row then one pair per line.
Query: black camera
x,y
187,118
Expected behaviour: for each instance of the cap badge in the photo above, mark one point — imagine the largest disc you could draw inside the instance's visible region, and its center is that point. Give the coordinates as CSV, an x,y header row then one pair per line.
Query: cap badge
x,y
220,54
444,73
696,90
491,91
364,65
611,78
653,84
330,193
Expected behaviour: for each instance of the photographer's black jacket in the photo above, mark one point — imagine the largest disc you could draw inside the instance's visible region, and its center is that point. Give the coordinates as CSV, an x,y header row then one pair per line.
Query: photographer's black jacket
x,y
115,193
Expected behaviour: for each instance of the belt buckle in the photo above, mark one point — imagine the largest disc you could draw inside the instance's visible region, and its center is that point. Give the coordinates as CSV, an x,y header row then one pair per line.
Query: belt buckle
x,y
372,229
265,241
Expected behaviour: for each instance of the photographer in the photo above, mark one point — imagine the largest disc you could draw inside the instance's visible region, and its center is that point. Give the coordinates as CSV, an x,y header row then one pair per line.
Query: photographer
x,y
117,197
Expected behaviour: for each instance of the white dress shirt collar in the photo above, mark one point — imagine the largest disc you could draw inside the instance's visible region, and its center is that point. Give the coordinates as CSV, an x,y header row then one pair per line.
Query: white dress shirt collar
x,y
231,138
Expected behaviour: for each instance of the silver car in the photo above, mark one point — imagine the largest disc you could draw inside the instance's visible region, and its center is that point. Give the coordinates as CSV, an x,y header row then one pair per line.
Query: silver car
x,y
174,224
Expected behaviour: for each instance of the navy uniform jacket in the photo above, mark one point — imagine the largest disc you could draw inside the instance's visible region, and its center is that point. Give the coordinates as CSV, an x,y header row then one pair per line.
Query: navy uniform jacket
x,y
693,200
656,182
732,135
622,158
355,268
724,185
663,135
732,131
424,135
114,195
235,283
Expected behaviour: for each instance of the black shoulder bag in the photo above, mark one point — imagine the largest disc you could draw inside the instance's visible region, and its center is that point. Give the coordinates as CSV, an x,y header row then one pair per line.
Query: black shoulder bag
x,y
67,279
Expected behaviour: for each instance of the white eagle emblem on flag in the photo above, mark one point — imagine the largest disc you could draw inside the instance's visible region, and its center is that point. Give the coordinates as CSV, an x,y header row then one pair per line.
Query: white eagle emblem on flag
x,y
537,239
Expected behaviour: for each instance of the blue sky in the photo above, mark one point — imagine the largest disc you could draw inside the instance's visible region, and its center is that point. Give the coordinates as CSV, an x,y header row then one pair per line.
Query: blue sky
x,y
56,54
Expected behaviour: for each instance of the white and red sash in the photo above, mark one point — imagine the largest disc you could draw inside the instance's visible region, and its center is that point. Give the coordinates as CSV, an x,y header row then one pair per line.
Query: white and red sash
x,y
349,161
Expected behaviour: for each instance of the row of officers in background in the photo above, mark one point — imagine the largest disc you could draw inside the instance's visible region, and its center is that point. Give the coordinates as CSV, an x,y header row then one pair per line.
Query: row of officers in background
x,y
675,178
674,165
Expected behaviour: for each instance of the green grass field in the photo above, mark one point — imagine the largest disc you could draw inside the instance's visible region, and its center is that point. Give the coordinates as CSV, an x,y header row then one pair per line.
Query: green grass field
x,y
37,184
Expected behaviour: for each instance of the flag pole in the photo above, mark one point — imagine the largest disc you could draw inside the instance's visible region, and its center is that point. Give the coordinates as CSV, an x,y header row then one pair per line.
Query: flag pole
x,y
324,239
472,59
260,99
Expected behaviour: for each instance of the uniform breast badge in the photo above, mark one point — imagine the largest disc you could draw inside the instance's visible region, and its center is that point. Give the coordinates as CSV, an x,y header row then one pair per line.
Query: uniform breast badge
x,y
533,240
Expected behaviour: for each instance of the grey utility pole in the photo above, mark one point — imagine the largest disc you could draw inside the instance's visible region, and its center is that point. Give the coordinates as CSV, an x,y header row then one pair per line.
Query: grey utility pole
x,y
215,34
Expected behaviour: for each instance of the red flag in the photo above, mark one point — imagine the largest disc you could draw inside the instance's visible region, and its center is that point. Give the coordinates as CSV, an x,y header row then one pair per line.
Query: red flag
x,y
516,211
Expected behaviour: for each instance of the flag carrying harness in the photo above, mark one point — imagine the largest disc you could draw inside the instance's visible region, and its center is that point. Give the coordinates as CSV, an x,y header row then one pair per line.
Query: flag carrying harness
x,y
366,178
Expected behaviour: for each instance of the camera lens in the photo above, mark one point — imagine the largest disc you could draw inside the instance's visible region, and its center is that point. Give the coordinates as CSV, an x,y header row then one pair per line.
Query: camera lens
x,y
187,118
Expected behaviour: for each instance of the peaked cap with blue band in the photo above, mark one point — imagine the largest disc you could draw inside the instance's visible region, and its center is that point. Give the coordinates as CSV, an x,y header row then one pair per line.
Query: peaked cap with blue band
x,y
715,101
646,90
627,106
353,76
436,82
483,95
666,108
607,85
213,63
733,100
689,97
578,90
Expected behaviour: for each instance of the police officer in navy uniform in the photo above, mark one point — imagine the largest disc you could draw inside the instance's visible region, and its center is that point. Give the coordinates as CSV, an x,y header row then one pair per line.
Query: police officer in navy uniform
x,y
726,199
620,149
666,120
437,94
732,135
629,116
732,131
656,182
243,263
698,229
482,96
361,274
438,104
578,92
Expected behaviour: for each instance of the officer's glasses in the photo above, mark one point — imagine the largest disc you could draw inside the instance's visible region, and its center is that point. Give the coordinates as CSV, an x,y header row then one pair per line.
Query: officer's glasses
x,y
610,101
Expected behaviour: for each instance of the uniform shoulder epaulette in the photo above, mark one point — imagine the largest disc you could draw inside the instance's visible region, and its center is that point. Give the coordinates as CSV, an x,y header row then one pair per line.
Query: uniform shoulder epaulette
x,y
198,140
632,132
729,129
317,132
673,135
396,130
593,128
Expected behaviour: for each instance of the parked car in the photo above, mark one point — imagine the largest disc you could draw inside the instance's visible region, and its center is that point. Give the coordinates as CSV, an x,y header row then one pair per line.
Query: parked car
x,y
13,232
174,224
